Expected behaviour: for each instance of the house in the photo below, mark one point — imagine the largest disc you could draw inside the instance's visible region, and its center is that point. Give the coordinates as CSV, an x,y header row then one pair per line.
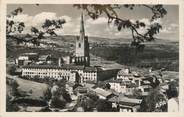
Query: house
x,y
134,77
123,86
26,58
103,94
126,104
117,85
145,87
44,58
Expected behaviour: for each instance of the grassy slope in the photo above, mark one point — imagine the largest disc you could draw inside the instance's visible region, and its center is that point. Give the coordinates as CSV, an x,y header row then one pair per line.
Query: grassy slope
x,y
37,88
25,86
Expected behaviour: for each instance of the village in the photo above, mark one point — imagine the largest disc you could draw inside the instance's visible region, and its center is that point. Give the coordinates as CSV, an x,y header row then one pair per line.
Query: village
x,y
77,86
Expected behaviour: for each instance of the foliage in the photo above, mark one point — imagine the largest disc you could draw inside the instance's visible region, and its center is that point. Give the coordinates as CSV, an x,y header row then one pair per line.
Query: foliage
x,y
61,83
158,11
51,25
48,27
107,86
104,106
154,81
172,92
34,30
149,103
47,94
61,91
56,102
11,70
101,84
87,103
137,93
14,85
10,107
92,96
97,10
164,57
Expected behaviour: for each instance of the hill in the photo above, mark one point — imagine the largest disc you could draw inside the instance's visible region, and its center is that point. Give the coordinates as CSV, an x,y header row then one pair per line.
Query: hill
x,y
157,54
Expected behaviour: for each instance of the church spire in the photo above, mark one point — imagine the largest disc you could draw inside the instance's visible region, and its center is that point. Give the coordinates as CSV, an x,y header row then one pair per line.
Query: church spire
x,y
82,32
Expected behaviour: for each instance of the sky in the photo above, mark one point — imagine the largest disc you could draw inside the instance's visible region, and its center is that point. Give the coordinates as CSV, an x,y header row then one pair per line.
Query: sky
x,y
34,15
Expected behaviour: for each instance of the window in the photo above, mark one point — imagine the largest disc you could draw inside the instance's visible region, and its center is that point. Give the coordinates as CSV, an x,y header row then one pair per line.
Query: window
x,y
79,45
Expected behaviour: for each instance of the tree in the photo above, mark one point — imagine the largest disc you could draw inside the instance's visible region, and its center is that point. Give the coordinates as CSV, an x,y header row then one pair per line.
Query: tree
x,y
48,26
56,102
97,10
34,30
152,102
87,104
107,86
47,94
13,26
104,106
172,91
14,86
10,106
51,25
61,91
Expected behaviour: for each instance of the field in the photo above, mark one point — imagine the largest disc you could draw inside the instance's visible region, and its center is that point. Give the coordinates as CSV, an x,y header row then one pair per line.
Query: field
x,y
32,90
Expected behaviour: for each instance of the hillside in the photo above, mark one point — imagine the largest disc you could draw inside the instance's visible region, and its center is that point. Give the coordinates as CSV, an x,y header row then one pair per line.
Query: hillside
x,y
157,54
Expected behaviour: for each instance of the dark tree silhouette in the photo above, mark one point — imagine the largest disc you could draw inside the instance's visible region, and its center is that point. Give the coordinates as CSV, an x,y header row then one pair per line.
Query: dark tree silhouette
x,y
149,104
34,30
51,25
12,26
97,10
104,106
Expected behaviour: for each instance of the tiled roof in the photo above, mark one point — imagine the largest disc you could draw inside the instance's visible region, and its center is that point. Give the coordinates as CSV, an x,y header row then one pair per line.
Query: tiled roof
x,y
125,100
68,67
43,57
29,54
102,92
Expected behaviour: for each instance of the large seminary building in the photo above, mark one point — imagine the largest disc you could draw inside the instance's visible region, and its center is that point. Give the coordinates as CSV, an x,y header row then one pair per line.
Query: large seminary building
x,y
79,69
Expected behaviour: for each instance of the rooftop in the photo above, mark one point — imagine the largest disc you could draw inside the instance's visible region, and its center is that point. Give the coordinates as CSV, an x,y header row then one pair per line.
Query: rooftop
x,y
102,92
125,100
68,67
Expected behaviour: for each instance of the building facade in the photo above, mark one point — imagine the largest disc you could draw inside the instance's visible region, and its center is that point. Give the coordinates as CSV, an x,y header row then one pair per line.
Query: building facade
x,y
70,73
76,69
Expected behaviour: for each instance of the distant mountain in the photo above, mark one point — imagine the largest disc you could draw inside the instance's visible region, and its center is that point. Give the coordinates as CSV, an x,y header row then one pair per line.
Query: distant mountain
x,y
99,40
68,41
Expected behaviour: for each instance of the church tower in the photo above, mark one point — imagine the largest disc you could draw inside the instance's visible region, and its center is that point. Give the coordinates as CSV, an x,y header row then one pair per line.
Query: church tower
x,y
82,47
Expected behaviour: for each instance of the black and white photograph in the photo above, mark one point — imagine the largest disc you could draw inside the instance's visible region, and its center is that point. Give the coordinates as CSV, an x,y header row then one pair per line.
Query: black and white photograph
x,y
92,57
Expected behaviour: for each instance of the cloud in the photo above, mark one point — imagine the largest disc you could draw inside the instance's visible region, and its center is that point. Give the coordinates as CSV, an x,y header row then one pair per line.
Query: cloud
x,y
100,20
67,18
39,19
98,27
146,21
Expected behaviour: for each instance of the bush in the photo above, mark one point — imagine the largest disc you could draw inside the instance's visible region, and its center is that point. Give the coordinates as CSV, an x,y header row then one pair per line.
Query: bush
x,y
47,94
104,106
10,107
57,103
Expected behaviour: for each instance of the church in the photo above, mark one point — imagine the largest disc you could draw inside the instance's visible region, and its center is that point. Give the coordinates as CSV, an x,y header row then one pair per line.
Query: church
x,y
82,47
78,70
